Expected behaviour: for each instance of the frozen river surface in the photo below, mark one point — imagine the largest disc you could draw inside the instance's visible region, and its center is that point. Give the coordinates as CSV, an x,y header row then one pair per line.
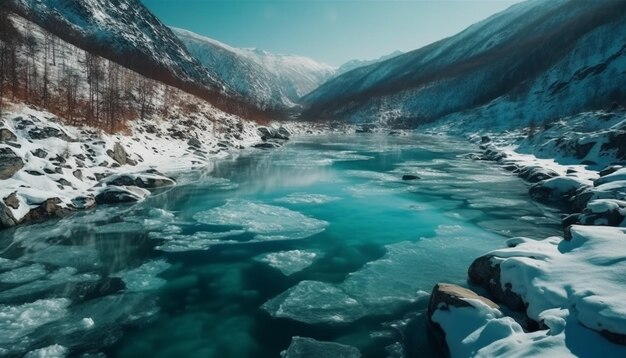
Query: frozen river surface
x,y
321,239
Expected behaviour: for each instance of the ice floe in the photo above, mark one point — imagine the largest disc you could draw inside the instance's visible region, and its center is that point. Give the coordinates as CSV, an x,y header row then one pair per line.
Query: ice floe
x,y
53,351
290,262
23,274
266,222
144,277
302,347
18,321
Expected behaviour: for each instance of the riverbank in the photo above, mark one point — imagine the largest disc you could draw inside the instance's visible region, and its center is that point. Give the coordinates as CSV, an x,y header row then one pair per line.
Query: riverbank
x,y
50,169
568,290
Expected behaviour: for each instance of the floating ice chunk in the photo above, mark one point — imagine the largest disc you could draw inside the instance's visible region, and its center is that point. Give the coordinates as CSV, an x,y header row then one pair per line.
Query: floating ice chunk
x,y
18,321
385,285
200,240
304,198
290,262
55,279
6,264
23,274
87,322
53,351
315,302
267,222
144,277
301,347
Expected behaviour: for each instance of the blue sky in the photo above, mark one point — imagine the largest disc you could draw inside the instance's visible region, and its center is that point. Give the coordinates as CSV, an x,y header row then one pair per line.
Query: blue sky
x,y
331,31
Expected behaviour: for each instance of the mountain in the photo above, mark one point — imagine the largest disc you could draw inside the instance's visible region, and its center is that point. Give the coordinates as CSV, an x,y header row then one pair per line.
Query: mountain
x,y
126,32
354,64
269,80
535,61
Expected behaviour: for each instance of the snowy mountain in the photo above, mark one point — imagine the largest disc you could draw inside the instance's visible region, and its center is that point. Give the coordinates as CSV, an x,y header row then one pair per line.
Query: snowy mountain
x,y
126,32
535,61
268,79
354,64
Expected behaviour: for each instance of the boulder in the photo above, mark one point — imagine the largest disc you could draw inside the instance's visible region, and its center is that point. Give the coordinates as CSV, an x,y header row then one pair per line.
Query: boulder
x,y
535,173
6,214
559,189
50,208
283,132
266,145
121,194
48,132
272,133
141,180
604,212
410,177
10,163
443,297
485,272
39,153
7,136
83,202
119,155
616,175
194,142
12,201
609,170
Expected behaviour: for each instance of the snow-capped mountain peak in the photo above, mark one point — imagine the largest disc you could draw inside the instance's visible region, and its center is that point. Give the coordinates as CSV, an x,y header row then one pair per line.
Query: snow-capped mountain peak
x,y
270,80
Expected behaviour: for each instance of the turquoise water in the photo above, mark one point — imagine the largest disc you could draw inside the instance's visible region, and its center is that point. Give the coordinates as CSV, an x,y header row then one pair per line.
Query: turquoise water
x,y
319,239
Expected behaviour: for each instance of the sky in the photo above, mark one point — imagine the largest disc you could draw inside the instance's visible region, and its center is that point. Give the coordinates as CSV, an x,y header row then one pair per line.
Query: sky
x,y
330,31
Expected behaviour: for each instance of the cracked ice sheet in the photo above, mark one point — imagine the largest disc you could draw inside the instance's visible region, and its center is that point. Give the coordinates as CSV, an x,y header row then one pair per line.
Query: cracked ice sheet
x,y
266,222
383,286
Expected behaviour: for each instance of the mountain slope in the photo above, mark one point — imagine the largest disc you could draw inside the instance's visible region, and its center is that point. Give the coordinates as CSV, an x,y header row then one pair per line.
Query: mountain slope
x,y
354,64
126,32
568,47
268,79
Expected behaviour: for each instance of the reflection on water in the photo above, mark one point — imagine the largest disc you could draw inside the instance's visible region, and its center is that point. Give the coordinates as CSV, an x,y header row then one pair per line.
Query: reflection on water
x,y
319,239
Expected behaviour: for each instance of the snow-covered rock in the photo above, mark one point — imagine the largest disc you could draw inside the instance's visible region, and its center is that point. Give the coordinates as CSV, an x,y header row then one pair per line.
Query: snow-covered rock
x,y
581,275
559,189
448,297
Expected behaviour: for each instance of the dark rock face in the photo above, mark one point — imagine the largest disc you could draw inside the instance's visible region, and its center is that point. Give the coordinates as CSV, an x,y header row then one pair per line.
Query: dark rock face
x,y
119,155
48,132
10,163
50,208
485,272
6,216
616,142
12,201
142,181
194,142
410,177
39,153
7,136
117,195
443,297
267,133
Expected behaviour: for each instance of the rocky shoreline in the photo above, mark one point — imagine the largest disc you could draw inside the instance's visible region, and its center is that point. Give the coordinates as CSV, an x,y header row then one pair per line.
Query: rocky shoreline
x,y
50,170
555,284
